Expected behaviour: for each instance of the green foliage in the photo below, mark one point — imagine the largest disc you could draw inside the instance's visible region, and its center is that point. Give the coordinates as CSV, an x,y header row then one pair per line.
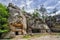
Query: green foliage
x,y
3,19
3,31
23,10
42,9
3,11
35,14
27,36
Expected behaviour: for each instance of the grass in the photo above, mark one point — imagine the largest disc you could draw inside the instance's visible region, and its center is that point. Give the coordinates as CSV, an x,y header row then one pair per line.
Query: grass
x,y
26,36
57,34
35,35
38,35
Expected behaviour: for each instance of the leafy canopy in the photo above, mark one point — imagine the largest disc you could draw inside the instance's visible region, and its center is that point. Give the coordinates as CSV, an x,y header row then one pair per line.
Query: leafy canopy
x,y
3,18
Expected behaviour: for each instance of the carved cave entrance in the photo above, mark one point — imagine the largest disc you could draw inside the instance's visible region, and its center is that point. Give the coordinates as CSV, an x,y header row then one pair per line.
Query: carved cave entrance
x,y
16,33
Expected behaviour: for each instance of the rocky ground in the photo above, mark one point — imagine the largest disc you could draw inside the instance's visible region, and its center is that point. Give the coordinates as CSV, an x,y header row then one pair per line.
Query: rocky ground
x,y
47,37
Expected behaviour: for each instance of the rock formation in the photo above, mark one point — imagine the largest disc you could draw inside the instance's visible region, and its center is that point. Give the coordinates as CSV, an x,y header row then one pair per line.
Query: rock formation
x,y
36,24
17,20
23,23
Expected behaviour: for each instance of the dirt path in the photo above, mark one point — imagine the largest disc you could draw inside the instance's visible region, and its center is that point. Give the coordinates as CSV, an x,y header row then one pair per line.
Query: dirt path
x,y
47,37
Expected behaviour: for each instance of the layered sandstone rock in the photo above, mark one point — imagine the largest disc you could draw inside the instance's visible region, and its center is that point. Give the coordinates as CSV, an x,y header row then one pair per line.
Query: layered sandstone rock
x,y
17,20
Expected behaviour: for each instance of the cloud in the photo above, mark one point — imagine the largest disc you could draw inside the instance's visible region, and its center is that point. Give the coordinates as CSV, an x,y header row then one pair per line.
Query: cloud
x,y
50,7
58,1
58,12
51,4
57,5
32,4
28,6
22,4
16,0
28,3
11,0
46,3
30,11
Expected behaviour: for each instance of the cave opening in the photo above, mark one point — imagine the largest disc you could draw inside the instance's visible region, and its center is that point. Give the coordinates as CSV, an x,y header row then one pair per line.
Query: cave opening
x,y
35,30
16,33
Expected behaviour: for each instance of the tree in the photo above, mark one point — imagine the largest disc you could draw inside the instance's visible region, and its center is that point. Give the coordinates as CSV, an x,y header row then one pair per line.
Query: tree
x,y
36,13
3,19
43,11
23,10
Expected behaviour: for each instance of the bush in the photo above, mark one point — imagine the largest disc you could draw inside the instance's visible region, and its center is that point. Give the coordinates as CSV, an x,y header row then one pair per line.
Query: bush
x,y
3,19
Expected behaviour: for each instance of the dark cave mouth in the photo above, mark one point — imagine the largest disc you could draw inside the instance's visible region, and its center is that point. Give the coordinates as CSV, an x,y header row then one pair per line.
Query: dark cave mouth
x,y
35,30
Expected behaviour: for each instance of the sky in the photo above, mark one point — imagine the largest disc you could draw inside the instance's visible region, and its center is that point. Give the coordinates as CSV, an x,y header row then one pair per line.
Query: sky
x,y
30,5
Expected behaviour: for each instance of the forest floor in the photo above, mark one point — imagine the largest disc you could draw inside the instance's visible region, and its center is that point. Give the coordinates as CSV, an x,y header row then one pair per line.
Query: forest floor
x,y
39,37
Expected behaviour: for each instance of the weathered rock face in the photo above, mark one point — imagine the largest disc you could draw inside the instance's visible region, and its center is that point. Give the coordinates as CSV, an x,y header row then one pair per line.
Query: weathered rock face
x,y
16,20
14,13
19,22
36,24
